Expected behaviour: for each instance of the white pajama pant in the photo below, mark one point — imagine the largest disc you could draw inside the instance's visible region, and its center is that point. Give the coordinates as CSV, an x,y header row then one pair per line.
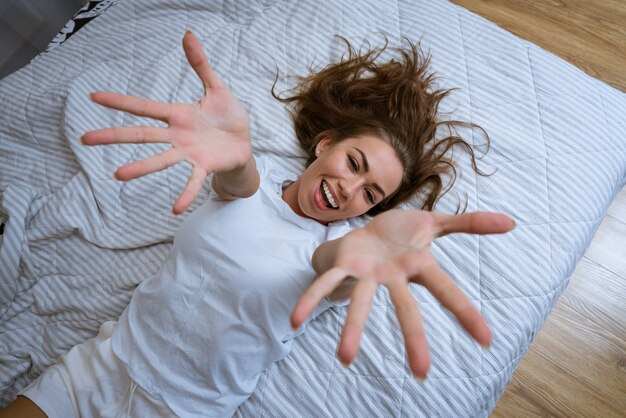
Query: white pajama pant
x,y
89,381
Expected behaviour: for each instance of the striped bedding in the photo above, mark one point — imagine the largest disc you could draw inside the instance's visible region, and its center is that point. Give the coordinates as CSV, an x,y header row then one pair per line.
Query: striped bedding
x,y
76,243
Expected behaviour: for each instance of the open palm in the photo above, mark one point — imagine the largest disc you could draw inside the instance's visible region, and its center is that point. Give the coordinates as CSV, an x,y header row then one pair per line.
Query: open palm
x,y
212,134
393,250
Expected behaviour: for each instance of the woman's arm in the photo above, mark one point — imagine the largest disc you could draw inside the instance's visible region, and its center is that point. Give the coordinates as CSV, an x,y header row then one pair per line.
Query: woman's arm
x,y
213,134
240,182
22,407
324,256
323,260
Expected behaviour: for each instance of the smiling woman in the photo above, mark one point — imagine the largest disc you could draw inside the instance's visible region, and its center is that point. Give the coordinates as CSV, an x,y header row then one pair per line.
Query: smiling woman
x,y
194,338
348,177
395,100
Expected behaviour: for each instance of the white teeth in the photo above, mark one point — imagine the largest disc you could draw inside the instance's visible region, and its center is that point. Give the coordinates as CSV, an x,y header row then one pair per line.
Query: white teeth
x,y
328,195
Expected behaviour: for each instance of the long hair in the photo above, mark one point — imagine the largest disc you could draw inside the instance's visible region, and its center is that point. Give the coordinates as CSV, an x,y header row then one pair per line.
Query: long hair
x,y
394,100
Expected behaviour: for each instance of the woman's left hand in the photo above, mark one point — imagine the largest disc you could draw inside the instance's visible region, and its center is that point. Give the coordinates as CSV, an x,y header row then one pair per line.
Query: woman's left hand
x,y
394,250
212,134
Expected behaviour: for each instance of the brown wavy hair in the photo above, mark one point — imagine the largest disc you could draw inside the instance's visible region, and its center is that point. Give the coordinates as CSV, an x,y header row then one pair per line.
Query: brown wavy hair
x,y
394,100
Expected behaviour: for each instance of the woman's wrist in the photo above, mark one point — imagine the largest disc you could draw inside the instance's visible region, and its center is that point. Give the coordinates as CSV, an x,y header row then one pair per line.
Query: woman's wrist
x,y
240,182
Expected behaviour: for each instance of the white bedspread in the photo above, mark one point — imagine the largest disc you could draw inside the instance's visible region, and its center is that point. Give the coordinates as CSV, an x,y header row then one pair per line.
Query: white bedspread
x,y
76,242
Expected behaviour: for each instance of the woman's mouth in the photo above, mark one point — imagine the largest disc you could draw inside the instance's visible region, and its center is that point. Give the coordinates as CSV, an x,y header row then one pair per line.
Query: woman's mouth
x,y
327,196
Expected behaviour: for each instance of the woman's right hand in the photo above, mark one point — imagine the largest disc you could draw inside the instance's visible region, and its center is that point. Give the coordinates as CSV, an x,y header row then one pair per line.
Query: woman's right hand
x,y
212,134
394,250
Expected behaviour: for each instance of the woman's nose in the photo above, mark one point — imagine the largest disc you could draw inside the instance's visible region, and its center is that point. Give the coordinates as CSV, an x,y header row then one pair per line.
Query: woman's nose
x,y
349,186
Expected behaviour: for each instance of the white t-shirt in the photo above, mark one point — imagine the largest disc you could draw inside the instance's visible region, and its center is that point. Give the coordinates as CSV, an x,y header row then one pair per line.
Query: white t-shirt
x,y
199,333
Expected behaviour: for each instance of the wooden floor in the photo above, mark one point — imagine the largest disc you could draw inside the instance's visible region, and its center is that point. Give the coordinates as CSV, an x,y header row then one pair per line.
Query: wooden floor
x,y
576,367
27,26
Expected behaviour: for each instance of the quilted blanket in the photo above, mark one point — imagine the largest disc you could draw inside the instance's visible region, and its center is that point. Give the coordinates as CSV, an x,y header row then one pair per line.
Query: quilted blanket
x,y
76,242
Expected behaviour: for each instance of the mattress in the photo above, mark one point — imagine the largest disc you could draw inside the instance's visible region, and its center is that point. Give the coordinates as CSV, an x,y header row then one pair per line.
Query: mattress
x,y
76,242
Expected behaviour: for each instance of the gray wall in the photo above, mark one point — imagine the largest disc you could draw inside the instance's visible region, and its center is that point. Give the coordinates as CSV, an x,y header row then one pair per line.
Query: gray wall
x,y
27,26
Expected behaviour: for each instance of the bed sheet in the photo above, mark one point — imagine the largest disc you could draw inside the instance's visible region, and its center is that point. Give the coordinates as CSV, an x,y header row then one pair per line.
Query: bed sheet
x,y
76,243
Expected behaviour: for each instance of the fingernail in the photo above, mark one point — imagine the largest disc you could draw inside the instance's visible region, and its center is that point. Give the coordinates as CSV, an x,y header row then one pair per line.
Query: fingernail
x,y
345,365
486,344
420,379
80,141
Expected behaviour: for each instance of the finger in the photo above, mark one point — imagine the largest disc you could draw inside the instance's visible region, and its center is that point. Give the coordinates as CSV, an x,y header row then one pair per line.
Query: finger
x,y
199,62
149,165
412,329
126,135
474,223
358,311
135,105
190,192
321,287
450,295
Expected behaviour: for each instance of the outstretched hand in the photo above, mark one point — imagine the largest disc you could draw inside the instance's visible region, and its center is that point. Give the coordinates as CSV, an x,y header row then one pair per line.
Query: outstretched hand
x,y
394,250
212,134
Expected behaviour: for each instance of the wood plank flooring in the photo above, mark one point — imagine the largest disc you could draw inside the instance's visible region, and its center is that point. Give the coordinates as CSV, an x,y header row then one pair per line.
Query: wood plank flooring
x,y
590,34
576,367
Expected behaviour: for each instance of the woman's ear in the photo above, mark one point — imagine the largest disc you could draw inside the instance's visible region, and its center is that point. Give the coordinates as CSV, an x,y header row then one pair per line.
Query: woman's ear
x,y
322,145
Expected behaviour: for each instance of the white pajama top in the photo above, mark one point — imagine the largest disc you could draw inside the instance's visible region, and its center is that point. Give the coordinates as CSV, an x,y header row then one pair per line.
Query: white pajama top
x,y
199,333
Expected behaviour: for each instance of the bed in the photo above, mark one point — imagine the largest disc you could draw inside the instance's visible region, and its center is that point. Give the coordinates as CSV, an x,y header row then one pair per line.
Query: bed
x,y
75,243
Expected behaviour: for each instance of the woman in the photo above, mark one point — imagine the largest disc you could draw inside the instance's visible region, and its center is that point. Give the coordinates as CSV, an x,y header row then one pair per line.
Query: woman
x,y
196,336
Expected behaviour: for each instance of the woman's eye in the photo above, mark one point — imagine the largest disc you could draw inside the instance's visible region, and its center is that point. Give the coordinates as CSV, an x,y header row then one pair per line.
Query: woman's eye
x,y
354,166
370,197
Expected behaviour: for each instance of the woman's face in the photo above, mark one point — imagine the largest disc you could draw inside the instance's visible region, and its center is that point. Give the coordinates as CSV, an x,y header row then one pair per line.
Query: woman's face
x,y
346,180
